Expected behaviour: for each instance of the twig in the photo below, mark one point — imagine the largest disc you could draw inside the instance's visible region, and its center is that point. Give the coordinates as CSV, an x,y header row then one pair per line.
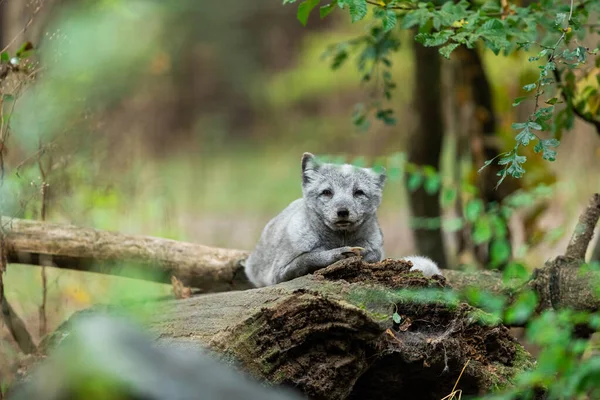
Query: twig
x,y
13,322
44,207
567,97
454,391
584,230
29,22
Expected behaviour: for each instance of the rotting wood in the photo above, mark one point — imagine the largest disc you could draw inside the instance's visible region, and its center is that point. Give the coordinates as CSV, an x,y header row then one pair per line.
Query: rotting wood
x,y
332,335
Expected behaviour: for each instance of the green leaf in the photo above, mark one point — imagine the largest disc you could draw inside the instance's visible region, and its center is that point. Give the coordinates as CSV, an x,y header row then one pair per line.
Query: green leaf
x,y
473,209
534,125
389,21
448,49
522,308
414,181
396,317
25,47
452,224
432,183
515,272
4,57
518,101
482,231
304,10
325,10
448,196
417,17
358,9
525,136
433,39
545,146
387,116
515,169
530,87
500,251
492,24
485,165
500,229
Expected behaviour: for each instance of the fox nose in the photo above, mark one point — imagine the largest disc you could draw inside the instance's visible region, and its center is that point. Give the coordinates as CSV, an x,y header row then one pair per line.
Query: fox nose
x,y
343,213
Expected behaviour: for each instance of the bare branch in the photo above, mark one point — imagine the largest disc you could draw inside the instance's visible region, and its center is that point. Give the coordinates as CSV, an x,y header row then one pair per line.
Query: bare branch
x,y
584,231
568,98
13,322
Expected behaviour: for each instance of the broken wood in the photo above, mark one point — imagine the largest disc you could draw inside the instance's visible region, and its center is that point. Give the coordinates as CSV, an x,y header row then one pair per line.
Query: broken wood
x,y
333,335
85,249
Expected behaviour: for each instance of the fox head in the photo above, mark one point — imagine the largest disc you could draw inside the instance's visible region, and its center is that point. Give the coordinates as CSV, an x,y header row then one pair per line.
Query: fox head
x,y
343,196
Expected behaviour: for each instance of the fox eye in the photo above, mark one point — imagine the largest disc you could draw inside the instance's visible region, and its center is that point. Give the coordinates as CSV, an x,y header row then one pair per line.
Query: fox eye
x,y
359,193
327,192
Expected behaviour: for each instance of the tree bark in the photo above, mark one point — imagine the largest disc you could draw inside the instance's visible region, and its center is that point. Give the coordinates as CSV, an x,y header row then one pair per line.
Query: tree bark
x,y
584,231
332,335
596,253
64,246
474,123
425,148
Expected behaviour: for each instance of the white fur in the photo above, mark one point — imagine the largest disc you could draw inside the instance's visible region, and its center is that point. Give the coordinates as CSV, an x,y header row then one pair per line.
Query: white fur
x,y
427,266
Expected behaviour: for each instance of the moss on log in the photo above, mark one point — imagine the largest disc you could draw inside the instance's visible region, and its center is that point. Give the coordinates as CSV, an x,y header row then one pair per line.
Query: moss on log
x,y
332,335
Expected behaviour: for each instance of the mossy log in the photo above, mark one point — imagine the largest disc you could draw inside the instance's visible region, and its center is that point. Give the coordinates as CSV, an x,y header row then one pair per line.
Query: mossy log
x,y
332,335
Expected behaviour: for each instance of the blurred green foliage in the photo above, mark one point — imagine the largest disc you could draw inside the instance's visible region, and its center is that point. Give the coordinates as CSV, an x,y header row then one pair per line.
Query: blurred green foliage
x,y
108,49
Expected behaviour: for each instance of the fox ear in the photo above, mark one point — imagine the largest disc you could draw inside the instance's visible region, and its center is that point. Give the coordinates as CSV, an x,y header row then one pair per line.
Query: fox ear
x,y
309,164
381,175
308,161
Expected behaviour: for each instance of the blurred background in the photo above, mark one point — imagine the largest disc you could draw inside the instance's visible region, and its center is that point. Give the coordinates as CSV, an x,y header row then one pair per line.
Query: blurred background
x,y
188,121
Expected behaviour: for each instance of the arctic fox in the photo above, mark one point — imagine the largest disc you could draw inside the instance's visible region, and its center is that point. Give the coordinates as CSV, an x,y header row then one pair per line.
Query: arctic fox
x,y
335,219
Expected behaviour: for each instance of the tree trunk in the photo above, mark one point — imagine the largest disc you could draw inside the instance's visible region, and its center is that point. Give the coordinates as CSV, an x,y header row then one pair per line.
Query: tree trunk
x,y
474,124
332,335
425,148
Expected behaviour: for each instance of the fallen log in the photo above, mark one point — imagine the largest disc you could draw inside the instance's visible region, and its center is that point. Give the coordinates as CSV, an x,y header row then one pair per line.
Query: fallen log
x,y
342,334
95,362
211,269
85,249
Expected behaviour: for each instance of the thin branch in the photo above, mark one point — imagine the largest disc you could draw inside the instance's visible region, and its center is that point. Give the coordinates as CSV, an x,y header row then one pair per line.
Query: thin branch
x,y
13,322
567,97
43,210
27,25
584,231
17,328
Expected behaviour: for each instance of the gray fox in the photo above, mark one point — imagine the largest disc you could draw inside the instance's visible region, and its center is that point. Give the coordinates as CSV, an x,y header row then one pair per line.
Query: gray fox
x,y
335,219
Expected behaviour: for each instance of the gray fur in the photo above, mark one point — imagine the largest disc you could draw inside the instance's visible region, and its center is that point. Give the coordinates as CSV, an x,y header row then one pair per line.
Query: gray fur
x,y
309,234
312,232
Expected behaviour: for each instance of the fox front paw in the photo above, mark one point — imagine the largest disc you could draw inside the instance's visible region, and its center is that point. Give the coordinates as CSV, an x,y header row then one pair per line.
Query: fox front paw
x,y
347,252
